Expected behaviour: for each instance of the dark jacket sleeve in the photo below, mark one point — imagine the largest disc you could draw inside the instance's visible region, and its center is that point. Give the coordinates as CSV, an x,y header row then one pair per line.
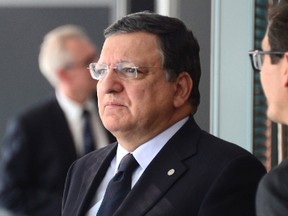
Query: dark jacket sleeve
x,y
272,194
233,192
18,192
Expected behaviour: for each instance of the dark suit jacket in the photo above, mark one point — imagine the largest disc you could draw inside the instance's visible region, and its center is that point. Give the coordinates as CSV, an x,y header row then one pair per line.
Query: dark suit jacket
x,y
212,177
37,151
272,194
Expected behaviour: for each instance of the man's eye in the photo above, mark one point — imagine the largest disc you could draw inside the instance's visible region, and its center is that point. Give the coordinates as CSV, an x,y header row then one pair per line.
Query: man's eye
x,y
128,70
101,71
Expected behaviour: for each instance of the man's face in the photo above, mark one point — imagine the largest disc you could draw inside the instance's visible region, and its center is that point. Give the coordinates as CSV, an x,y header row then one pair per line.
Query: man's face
x,y
135,110
273,80
83,53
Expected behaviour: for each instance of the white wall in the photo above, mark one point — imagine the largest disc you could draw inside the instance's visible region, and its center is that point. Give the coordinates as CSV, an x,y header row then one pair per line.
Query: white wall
x,y
231,72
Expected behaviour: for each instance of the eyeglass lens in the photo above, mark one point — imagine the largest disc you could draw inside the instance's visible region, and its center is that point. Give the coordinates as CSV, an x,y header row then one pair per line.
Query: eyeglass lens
x,y
258,61
124,70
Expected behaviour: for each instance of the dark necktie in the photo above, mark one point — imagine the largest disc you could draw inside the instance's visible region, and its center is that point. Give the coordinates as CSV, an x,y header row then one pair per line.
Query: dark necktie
x,y
118,187
87,133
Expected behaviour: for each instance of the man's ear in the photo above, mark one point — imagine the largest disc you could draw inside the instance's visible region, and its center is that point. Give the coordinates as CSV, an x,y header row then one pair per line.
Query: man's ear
x,y
183,88
285,65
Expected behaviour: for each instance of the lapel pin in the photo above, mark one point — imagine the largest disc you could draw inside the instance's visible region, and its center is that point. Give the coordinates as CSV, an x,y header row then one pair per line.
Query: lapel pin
x,y
171,172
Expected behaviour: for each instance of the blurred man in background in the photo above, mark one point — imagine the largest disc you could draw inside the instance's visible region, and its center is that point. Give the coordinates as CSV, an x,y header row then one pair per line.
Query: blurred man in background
x,y
41,142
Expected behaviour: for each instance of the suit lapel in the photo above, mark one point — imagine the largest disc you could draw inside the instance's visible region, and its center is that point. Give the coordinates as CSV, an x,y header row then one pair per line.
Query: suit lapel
x,y
62,130
163,172
165,169
159,176
96,169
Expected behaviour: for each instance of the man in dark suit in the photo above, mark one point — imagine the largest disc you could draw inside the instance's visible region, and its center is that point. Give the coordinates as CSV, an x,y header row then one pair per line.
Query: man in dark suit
x,y
42,142
149,73
272,62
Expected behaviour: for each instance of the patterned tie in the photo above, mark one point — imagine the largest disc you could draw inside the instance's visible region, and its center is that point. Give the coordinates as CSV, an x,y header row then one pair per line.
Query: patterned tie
x,y
87,133
118,187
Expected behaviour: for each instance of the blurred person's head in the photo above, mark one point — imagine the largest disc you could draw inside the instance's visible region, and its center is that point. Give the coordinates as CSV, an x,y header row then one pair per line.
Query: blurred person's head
x,y
65,54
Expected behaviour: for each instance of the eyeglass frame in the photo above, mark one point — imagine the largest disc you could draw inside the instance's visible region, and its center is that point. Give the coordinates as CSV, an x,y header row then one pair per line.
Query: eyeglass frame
x,y
117,69
255,57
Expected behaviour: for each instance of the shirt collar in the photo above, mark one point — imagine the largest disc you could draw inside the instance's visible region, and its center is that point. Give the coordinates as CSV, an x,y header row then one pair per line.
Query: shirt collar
x,y
71,108
146,152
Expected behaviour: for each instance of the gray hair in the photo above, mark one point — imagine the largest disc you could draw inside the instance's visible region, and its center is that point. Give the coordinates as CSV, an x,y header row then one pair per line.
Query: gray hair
x,y
53,55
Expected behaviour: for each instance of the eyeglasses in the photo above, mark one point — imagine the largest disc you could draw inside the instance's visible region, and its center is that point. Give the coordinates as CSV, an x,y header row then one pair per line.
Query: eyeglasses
x,y
124,70
257,57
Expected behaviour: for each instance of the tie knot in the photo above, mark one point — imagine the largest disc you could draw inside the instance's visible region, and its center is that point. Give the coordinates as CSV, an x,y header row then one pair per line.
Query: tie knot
x,y
86,113
128,163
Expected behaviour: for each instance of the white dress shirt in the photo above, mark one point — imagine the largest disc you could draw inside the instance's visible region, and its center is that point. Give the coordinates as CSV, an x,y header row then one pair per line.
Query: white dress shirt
x,y
74,115
144,154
